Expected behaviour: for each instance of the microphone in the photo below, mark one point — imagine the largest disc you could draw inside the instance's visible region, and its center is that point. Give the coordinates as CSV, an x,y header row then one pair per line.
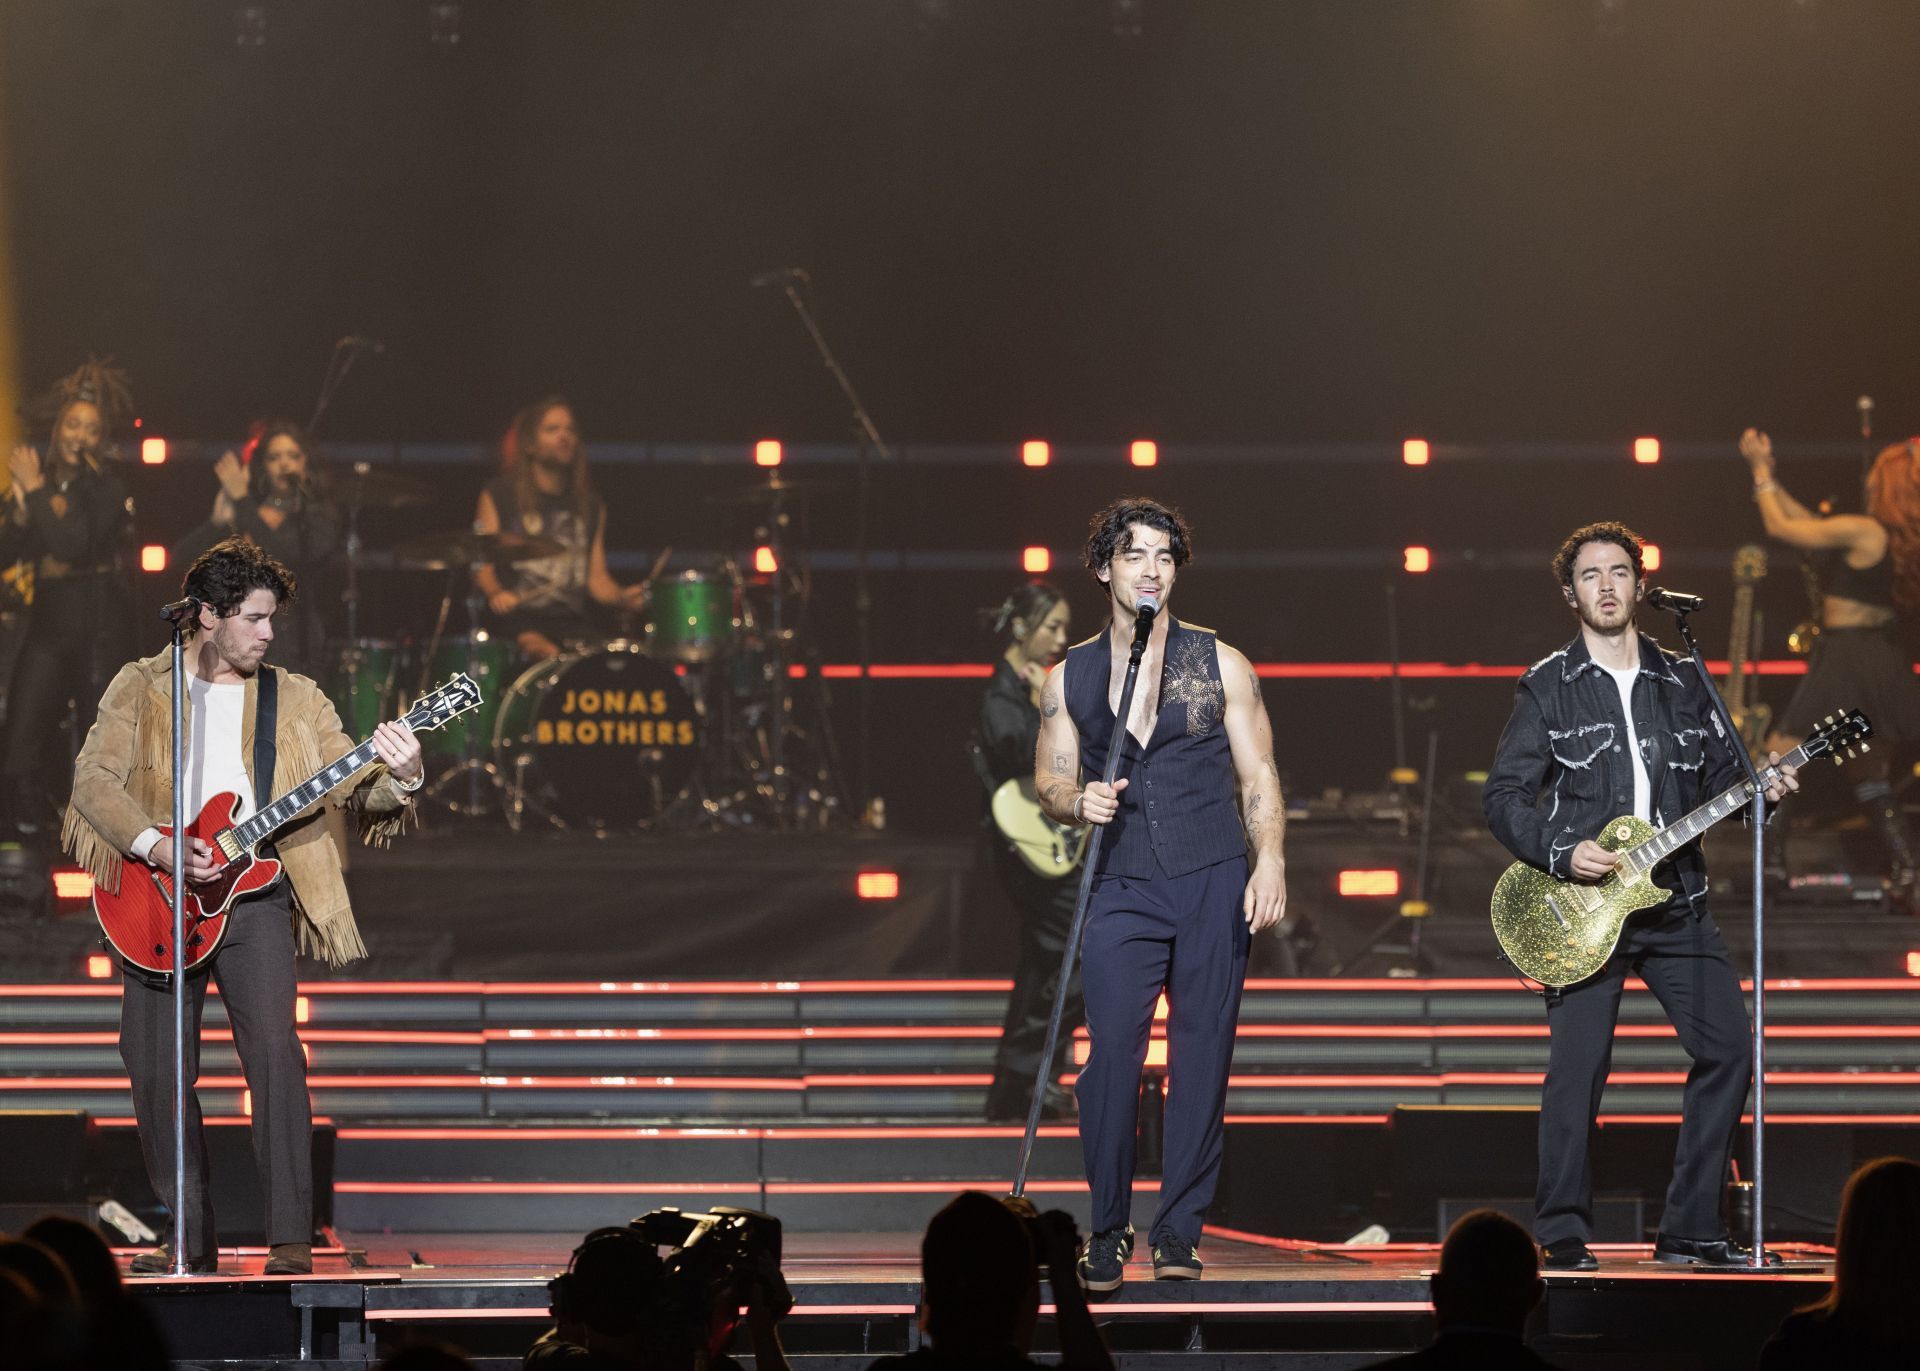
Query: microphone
x,y
1865,405
186,608
1675,601
1144,614
780,276
356,342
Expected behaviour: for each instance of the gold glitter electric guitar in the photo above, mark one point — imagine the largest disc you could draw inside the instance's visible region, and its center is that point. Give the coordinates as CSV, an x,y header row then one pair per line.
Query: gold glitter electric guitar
x,y
1560,932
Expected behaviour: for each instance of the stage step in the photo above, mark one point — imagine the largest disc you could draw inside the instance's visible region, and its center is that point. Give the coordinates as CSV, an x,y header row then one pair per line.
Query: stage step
x,y
738,1052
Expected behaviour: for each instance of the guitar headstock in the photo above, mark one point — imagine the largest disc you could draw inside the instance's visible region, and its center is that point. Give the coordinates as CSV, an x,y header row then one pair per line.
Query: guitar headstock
x,y
1749,564
443,704
1846,732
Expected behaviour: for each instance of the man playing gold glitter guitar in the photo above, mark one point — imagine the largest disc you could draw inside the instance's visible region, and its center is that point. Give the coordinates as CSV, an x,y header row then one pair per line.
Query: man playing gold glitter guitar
x,y
1612,724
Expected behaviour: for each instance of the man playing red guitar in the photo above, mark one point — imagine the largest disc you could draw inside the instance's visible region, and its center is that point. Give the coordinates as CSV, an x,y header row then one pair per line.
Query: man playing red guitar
x,y
122,791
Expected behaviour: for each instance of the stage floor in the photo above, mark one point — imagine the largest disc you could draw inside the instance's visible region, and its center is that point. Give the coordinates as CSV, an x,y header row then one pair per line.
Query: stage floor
x,y
1264,1300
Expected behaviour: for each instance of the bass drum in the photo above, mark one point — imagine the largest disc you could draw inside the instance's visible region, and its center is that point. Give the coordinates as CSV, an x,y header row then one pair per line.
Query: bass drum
x,y
599,739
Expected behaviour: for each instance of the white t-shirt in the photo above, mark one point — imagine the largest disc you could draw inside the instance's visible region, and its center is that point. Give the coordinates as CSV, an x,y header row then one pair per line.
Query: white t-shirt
x,y
214,761
1642,787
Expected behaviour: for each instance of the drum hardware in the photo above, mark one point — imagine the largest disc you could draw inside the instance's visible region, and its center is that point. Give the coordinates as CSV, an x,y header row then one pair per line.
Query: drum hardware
x,y
485,660
463,550
761,766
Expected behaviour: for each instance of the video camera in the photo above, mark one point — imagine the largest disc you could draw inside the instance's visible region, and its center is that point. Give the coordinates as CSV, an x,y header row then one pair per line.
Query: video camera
x,y
714,1247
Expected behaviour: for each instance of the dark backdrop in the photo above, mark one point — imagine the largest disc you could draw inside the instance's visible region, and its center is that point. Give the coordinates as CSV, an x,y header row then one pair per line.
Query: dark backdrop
x,y
1259,219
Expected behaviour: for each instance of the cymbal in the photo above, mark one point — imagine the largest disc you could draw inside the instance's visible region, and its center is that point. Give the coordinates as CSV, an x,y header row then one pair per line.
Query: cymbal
x,y
766,492
362,485
444,551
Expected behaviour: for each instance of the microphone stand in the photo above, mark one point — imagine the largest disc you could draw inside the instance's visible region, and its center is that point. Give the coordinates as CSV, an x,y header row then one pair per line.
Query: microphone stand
x,y
1758,805
1143,630
189,608
869,445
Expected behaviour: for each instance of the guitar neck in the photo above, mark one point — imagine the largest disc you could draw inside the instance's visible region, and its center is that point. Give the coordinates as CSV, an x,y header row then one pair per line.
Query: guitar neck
x,y
1738,646
1677,835
304,796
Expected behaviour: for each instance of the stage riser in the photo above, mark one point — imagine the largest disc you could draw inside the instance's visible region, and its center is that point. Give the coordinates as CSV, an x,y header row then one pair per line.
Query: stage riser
x,y
1324,1182
702,1158
808,1213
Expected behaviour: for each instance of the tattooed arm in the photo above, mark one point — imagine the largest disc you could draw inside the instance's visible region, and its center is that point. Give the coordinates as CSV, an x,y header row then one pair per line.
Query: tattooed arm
x,y
1250,735
1056,755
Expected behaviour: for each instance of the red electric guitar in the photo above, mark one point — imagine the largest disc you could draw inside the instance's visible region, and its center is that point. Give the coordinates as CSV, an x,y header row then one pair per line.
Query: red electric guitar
x,y
138,920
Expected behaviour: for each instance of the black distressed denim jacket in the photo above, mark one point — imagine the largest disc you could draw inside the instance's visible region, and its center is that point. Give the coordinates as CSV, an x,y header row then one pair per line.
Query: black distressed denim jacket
x,y
1562,769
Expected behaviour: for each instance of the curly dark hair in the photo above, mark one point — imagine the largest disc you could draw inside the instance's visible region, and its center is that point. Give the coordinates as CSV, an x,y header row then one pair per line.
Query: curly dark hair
x,y
1618,534
232,569
1107,530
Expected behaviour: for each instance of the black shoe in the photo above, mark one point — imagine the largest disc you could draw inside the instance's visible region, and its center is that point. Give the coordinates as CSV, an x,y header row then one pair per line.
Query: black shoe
x,y
1718,1252
159,1262
289,1259
1103,1260
1569,1254
1174,1258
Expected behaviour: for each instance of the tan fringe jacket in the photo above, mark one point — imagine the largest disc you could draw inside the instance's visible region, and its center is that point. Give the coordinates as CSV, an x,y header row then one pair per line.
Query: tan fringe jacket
x,y
123,784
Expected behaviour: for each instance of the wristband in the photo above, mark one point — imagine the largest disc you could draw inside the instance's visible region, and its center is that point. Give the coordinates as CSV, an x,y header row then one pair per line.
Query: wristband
x,y
1078,817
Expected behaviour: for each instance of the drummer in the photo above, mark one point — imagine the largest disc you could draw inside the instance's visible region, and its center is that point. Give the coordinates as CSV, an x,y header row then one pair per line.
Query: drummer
x,y
543,491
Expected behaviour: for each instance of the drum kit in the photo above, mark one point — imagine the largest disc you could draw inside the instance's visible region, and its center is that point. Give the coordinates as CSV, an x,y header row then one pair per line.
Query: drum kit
x,y
688,719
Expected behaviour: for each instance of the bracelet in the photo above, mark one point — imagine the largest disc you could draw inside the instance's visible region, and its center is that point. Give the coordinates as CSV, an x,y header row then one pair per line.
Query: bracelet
x,y
1074,808
1762,487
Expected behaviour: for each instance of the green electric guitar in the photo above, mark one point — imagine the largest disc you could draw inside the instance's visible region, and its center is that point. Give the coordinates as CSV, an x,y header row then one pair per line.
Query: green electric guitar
x,y
1559,932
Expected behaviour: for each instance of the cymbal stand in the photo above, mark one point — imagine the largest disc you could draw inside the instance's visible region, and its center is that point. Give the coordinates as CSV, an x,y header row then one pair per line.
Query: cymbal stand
x,y
482,778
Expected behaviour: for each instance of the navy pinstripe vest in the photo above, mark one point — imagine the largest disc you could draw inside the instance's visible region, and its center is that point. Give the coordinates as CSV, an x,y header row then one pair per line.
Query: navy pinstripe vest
x,y
1179,812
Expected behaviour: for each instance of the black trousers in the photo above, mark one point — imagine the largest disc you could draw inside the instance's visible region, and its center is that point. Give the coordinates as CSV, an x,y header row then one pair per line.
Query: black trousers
x,y
1681,957
255,969
1046,914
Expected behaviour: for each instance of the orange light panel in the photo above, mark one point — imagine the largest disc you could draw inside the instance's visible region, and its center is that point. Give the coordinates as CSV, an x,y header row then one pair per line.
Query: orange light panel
x,y
99,967
246,1103
1035,453
1144,453
72,883
1913,963
879,885
1036,560
153,557
1418,559
1160,1010
1646,451
302,1009
1415,452
1369,883
153,451
767,452
1650,556
764,562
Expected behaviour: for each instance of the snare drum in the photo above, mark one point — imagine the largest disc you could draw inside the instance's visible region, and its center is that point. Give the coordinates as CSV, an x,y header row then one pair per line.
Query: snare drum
x,y
603,739
363,684
487,660
693,617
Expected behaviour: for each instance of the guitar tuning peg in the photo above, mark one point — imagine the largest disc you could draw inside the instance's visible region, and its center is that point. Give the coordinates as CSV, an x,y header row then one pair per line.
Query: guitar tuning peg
x,y
1866,747
1837,761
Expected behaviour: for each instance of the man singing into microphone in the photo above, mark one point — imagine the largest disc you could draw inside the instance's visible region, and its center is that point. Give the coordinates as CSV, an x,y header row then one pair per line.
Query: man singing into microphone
x,y
1612,724
1173,906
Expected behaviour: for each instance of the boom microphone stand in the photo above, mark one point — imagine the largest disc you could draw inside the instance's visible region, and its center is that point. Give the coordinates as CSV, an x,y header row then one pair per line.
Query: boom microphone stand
x,y
1144,615
870,445
179,614
1680,606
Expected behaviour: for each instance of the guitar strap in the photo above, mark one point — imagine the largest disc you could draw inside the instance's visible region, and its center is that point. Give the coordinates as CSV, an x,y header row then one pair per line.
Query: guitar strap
x,y
266,728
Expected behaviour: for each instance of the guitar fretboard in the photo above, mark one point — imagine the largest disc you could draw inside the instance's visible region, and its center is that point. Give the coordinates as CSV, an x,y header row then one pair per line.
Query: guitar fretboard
x,y
303,796
1677,835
